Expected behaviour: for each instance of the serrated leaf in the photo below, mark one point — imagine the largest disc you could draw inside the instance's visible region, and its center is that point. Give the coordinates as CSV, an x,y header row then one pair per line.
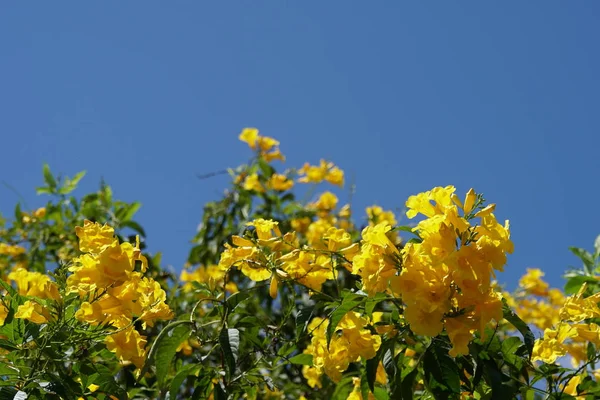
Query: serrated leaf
x,y
182,374
521,326
48,177
302,359
166,348
372,302
229,339
350,301
441,371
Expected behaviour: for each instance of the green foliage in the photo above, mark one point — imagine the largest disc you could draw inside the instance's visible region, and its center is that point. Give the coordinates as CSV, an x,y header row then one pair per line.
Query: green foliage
x,y
232,337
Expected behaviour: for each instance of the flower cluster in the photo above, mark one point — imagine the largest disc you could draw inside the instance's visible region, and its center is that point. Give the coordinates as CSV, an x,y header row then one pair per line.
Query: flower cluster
x,y
572,332
446,277
267,147
351,342
325,171
114,292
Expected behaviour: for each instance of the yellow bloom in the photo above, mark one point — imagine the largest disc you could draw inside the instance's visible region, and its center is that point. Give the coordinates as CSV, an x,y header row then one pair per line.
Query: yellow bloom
x,y
576,308
128,345
280,182
318,173
34,284
552,346
40,212
93,237
33,312
211,275
3,313
266,146
250,136
11,250
252,183
326,203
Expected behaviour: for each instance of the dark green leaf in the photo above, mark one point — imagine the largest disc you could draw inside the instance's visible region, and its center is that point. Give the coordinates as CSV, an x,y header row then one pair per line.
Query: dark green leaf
x,y
302,318
182,374
371,372
219,392
441,372
521,326
229,339
406,388
500,383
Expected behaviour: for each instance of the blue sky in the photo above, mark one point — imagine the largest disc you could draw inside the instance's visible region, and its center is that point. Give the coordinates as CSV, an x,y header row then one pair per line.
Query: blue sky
x,y
404,96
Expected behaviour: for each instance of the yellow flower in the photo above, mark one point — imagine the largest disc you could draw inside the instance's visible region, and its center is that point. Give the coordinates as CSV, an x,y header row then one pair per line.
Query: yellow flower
x,y
3,313
576,308
252,183
211,275
128,345
266,146
33,312
34,284
280,183
326,203
11,250
318,173
250,136
93,237
40,212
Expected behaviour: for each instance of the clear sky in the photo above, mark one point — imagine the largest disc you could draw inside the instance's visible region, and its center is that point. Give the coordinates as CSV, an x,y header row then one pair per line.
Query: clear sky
x,y
404,96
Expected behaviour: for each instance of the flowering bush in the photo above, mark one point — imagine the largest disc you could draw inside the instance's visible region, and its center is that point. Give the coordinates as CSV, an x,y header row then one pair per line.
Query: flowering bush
x,y
285,299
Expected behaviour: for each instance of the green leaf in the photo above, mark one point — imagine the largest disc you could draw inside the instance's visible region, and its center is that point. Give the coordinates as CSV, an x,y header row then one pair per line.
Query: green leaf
x,y
302,359
406,388
441,372
381,394
591,352
182,374
235,299
372,302
48,177
521,326
575,282
371,372
7,393
135,226
501,383
71,184
349,302
219,392
128,211
166,348
510,347
588,260
8,288
229,339
302,318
